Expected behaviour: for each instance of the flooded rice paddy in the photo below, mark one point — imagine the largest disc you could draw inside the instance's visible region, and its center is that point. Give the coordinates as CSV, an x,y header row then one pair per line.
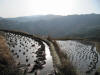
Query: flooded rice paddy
x,y
82,55
36,55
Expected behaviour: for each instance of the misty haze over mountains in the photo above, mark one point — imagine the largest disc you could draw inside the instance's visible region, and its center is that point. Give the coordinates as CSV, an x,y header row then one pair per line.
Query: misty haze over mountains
x,y
87,25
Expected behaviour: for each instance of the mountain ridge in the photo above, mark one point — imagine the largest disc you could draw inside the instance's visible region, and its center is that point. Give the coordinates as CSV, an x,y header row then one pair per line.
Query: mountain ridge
x,y
86,25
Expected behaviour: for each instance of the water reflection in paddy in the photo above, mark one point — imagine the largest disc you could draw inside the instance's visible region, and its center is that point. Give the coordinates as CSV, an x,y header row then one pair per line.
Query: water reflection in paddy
x,y
48,68
82,54
31,52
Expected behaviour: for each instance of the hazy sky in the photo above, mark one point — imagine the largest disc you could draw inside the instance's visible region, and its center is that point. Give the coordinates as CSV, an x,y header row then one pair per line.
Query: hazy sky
x,y
15,8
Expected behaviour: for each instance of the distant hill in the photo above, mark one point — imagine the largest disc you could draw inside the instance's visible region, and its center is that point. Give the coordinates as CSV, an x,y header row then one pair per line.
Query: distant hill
x,y
8,24
87,25
33,18
1,18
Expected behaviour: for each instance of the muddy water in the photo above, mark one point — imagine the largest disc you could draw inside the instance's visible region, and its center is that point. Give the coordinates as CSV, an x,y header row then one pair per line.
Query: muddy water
x,y
82,55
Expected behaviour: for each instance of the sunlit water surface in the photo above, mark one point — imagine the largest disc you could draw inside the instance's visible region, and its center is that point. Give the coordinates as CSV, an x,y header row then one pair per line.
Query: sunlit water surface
x,y
82,55
30,52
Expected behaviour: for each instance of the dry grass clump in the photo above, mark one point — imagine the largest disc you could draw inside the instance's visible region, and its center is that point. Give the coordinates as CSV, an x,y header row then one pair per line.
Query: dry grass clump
x,y
64,67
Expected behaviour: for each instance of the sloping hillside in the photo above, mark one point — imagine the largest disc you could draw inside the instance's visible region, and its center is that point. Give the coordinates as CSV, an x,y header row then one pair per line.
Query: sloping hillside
x,y
87,25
